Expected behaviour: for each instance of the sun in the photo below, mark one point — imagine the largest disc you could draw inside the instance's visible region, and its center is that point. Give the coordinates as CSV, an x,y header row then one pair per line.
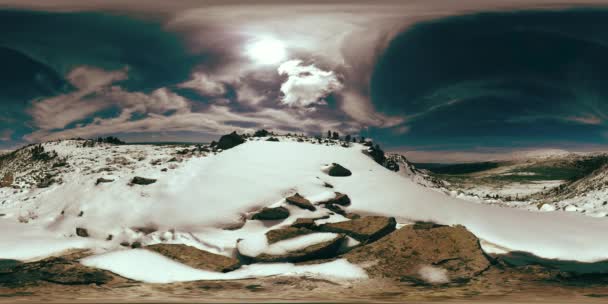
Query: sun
x,y
267,51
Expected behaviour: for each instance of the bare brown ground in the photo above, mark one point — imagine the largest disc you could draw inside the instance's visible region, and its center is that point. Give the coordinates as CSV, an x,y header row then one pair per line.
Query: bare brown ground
x,y
494,286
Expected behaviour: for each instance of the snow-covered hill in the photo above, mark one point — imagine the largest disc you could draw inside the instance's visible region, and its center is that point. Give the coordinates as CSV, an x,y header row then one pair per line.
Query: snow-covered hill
x,y
201,198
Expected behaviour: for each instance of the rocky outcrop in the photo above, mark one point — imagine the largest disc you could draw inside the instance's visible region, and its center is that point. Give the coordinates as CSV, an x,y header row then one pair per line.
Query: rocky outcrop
x,y
365,229
277,235
142,181
300,201
230,141
102,180
338,170
340,199
195,257
270,214
323,250
433,255
58,270
261,133
7,180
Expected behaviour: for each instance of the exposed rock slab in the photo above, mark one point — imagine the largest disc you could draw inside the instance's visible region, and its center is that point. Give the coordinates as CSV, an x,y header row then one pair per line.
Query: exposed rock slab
x,y
58,270
195,257
230,141
138,180
365,229
300,201
277,235
403,254
319,251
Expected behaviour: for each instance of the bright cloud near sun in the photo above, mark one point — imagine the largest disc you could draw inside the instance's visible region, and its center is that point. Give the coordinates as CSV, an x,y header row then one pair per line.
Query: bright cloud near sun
x,y
267,51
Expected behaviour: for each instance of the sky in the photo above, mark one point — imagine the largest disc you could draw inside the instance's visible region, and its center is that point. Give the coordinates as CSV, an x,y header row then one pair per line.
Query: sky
x,y
441,80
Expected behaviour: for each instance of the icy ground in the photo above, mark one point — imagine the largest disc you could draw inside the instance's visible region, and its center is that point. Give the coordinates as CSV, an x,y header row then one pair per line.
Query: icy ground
x,y
201,194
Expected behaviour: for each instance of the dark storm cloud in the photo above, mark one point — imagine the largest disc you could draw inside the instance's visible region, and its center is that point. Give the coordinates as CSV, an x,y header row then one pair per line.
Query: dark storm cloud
x,y
535,77
64,41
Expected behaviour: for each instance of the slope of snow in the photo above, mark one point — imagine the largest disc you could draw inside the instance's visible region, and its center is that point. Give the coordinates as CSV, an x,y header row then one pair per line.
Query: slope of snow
x,y
151,267
203,194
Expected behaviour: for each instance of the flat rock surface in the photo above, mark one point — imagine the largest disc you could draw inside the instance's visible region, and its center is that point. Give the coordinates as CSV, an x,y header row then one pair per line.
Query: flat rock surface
x,y
404,252
277,235
57,270
300,201
195,257
364,229
319,251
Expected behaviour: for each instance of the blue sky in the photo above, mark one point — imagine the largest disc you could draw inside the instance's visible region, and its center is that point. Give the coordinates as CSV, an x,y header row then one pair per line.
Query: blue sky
x,y
451,80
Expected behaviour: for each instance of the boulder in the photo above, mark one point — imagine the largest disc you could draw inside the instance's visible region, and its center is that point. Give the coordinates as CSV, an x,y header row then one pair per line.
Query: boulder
x,y
277,235
365,229
195,257
271,214
142,181
273,139
338,170
103,180
340,199
300,201
7,180
435,255
261,133
323,250
230,141
82,232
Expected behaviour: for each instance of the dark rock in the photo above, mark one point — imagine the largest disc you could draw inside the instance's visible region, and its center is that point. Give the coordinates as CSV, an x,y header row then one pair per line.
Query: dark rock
x,y
82,232
426,225
335,208
365,229
45,182
230,141
125,244
57,270
142,181
402,253
60,164
299,201
340,199
163,170
308,223
196,258
81,213
271,214
261,133
277,235
145,230
338,170
272,139
103,180
136,244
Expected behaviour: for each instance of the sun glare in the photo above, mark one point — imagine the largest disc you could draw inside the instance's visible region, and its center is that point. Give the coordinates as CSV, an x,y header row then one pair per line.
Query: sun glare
x,y
267,51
